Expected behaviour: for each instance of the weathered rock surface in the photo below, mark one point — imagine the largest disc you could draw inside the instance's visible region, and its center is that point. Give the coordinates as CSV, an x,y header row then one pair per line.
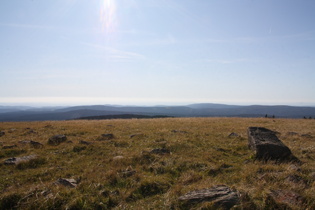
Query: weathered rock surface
x,y
106,136
285,199
267,146
57,139
72,183
17,160
221,196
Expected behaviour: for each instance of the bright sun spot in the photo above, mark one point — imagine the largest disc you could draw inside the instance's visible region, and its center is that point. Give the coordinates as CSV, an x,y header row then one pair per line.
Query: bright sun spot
x,y
108,15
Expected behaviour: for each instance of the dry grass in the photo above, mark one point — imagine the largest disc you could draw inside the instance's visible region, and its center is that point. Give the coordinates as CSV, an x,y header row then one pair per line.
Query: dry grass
x,y
202,155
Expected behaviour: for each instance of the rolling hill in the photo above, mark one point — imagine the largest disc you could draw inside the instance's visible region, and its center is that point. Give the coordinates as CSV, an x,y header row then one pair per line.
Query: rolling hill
x,y
193,110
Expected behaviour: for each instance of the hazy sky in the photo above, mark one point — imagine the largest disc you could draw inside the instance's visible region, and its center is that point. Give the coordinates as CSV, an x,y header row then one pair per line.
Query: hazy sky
x,y
157,51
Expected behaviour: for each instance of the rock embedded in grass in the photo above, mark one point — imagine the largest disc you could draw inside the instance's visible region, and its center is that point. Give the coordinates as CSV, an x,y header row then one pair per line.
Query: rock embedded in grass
x,y
267,146
233,135
18,160
85,142
57,139
106,136
72,183
118,158
221,196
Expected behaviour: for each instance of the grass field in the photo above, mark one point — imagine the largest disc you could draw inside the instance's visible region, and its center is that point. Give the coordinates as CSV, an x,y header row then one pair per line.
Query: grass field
x,y
122,173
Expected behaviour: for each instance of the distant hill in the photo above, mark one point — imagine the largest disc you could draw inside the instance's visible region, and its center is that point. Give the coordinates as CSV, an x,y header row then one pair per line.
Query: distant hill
x,y
122,116
193,110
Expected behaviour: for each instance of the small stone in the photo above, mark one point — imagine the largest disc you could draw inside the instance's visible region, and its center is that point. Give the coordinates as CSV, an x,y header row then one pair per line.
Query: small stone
x,y
104,137
117,158
85,142
72,183
31,132
233,135
36,144
57,139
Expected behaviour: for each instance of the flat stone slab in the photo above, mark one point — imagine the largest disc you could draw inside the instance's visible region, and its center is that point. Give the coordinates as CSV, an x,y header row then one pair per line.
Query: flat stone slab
x,y
267,146
221,196
17,160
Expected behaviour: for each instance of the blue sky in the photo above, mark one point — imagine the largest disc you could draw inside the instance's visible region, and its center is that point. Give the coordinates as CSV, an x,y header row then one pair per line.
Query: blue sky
x,y
67,52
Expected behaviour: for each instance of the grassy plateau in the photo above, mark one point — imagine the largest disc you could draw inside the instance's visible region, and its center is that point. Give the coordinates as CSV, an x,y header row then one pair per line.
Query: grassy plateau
x,y
122,172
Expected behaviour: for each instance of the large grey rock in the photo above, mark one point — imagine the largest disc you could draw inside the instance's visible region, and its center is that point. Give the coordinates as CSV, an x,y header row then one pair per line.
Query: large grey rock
x,y
267,146
57,139
220,195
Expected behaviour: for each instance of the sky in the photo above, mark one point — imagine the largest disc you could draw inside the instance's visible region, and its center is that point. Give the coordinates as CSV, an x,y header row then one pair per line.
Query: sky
x,y
154,52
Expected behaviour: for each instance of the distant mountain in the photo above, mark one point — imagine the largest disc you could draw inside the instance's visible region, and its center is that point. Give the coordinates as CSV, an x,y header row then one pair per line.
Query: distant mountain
x,y
211,106
193,110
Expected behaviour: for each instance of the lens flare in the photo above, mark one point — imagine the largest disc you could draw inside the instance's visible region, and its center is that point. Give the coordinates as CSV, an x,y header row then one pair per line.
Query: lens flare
x,y
108,15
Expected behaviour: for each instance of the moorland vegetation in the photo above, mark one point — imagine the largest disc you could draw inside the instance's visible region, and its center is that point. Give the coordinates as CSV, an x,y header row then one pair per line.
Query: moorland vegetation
x,y
150,163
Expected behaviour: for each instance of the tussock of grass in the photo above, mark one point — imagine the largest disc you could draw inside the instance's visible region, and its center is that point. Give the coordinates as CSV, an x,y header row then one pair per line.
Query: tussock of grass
x,y
124,173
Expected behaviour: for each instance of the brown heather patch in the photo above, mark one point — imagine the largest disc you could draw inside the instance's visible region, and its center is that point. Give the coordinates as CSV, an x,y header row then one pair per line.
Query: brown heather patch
x,y
121,173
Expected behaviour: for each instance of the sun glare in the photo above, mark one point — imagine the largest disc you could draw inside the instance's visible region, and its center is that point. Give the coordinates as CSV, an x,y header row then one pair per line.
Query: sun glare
x,y
108,15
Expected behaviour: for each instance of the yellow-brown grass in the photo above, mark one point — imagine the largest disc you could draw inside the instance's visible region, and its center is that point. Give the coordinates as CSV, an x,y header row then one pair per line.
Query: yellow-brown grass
x,y
202,155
